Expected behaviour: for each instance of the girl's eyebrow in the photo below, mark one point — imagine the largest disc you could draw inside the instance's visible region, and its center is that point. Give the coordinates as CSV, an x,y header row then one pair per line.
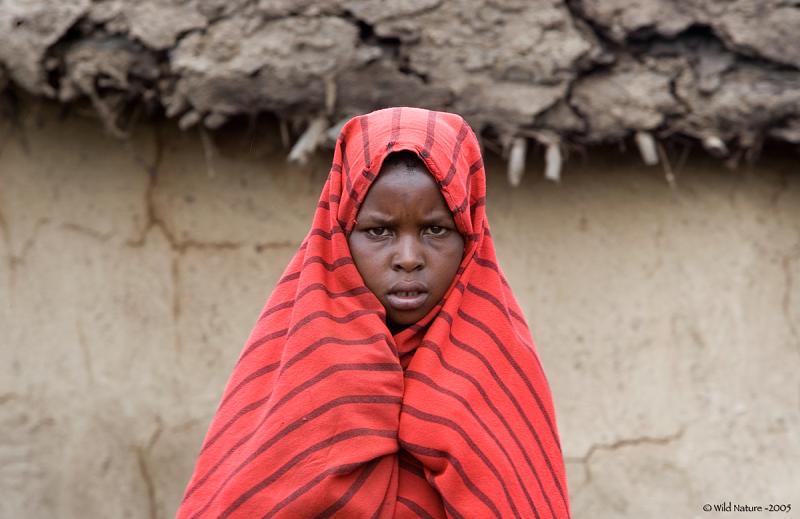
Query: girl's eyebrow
x,y
377,218
438,217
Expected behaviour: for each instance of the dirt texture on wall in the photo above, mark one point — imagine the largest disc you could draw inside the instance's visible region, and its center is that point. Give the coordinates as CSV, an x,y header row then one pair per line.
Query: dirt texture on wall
x,y
725,73
131,271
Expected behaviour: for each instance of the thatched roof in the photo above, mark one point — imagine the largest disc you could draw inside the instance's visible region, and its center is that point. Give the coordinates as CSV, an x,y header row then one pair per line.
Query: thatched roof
x,y
577,71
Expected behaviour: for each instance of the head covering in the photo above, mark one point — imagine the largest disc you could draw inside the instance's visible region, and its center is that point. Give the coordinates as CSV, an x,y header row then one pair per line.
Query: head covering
x,y
326,413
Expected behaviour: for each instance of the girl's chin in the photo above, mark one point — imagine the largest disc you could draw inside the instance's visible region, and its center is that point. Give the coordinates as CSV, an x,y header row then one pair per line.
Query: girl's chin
x,y
399,322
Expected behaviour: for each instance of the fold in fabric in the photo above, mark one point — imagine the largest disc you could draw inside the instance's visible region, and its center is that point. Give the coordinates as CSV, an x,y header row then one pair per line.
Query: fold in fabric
x,y
327,414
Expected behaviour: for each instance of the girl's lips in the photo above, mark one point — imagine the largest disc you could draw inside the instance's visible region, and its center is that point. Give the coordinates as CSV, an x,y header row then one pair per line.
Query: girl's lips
x,y
407,300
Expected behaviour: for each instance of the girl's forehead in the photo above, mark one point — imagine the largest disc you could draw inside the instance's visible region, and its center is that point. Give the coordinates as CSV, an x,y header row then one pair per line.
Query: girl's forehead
x,y
401,177
400,191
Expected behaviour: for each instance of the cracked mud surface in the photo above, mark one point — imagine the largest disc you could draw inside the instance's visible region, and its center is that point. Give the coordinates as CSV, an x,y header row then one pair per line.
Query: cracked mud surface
x,y
132,270
725,73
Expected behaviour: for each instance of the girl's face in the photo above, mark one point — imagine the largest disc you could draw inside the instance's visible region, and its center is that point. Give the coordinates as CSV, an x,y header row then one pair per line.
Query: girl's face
x,y
405,243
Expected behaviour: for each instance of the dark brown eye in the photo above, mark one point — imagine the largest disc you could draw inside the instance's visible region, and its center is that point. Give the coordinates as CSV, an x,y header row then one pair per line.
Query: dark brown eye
x,y
377,232
435,230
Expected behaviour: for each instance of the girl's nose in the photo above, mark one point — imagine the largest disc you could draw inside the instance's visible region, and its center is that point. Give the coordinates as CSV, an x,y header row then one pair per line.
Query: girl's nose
x,y
408,254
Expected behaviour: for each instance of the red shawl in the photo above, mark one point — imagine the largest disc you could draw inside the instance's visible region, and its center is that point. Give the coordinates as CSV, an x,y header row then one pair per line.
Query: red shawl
x,y
328,414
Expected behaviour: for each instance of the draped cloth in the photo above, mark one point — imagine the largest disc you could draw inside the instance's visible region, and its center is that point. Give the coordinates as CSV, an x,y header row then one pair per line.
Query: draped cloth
x,y
328,414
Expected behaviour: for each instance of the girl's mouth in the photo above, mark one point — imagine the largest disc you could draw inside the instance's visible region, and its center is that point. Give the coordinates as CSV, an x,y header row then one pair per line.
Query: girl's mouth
x,y
406,300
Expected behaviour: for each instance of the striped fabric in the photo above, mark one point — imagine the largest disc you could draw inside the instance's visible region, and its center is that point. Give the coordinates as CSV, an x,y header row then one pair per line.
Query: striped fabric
x,y
327,414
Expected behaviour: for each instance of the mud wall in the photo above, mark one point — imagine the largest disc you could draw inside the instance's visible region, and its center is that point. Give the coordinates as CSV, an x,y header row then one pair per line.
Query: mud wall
x,y
577,71
131,272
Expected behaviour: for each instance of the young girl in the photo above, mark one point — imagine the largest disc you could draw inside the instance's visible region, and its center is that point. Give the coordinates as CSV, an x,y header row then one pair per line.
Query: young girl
x,y
391,373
